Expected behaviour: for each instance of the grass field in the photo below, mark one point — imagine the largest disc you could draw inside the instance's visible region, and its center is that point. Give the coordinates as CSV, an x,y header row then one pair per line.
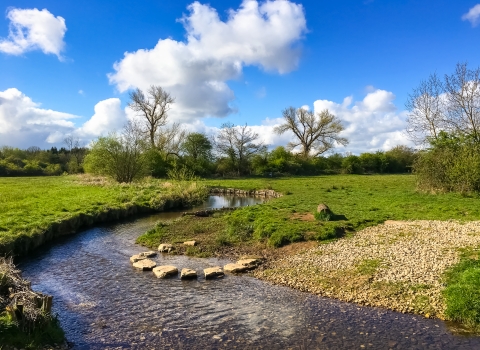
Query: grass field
x,y
30,206
357,201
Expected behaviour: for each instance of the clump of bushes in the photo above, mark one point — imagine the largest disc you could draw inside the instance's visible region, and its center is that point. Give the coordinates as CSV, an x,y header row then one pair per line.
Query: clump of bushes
x,y
451,164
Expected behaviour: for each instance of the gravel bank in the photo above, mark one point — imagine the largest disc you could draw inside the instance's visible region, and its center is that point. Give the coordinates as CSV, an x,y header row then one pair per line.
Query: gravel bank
x,y
397,265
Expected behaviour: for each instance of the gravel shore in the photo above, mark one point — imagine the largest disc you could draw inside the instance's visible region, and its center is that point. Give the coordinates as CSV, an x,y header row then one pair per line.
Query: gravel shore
x,y
396,265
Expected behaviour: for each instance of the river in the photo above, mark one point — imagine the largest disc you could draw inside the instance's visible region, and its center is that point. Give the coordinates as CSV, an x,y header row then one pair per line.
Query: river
x,y
104,303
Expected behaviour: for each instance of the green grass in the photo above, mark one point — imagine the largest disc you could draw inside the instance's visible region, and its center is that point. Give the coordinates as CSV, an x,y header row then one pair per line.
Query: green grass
x,y
462,292
30,206
358,201
11,335
368,266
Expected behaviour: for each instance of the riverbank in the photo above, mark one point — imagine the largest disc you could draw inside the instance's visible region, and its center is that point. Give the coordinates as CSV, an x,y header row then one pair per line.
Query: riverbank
x,y
37,210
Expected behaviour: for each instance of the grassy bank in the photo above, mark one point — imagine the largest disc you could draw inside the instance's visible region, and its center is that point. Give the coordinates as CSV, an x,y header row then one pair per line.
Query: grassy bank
x,y
357,202
35,210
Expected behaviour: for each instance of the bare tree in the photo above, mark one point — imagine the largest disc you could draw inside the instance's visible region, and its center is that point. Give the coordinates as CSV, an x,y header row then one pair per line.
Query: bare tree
x,y
238,143
154,107
463,93
427,108
170,139
76,151
315,133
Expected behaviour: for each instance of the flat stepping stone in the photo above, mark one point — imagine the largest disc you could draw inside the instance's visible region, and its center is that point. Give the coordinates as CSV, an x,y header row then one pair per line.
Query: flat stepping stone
x,y
190,243
145,264
165,271
212,272
165,248
188,273
235,268
249,263
149,254
137,257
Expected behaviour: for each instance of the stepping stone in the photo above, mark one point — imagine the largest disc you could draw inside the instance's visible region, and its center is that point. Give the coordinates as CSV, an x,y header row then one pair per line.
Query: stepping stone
x,y
212,272
165,271
188,273
137,257
235,268
249,263
149,254
190,243
165,248
145,264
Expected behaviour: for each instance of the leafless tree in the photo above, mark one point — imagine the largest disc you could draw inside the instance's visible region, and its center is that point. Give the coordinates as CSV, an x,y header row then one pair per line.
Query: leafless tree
x,y
463,94
315,133
76,151
153,107
238,143
427,108
170,139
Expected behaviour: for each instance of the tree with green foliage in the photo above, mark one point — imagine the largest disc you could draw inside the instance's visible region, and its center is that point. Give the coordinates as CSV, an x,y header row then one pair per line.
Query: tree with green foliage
x,y
197,153
120,156
315,133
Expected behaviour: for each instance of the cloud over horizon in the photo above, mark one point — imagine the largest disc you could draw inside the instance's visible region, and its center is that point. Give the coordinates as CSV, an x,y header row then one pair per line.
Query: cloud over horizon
x,y
196,72
32,29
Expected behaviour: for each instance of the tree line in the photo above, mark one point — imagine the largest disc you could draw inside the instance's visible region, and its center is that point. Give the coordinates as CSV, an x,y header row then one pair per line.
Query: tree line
x,y
149,145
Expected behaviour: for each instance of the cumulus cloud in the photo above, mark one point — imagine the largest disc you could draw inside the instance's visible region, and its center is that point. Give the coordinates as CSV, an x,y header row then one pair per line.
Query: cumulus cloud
x,y
473,15
371,124
32,29
23,123
196,70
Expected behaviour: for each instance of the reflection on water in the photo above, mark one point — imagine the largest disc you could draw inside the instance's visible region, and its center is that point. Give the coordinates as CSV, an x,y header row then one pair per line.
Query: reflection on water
x,y
104,303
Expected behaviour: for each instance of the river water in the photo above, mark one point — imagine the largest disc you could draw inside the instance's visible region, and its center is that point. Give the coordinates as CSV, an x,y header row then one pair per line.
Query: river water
x,y
104,303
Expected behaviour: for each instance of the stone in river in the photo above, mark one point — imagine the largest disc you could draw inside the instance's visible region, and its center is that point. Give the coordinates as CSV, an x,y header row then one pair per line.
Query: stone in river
x,y
188,273
165,248
145,264
235,268
136,258
165,271
213,272
249,263
149,254
191,243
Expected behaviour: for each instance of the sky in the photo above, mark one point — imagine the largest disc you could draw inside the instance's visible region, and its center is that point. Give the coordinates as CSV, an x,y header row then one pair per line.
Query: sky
x,y
67,67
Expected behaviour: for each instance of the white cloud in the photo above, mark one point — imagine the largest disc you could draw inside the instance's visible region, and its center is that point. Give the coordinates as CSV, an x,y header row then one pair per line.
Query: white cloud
x,y
196,71
23,123
371,124
473,15
31,29
108,117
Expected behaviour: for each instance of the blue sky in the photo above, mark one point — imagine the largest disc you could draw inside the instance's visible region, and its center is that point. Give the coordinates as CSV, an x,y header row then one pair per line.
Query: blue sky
x,y
235,61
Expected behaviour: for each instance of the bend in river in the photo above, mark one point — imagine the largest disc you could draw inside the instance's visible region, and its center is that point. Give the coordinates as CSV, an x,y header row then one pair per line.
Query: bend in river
x,y
104,303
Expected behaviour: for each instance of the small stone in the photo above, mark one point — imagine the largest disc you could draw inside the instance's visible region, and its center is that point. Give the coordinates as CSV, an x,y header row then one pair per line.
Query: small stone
x,y
212,272
190,243
235,268
165,271
249,263
165,248
149,254
137,257
145,264
188,273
